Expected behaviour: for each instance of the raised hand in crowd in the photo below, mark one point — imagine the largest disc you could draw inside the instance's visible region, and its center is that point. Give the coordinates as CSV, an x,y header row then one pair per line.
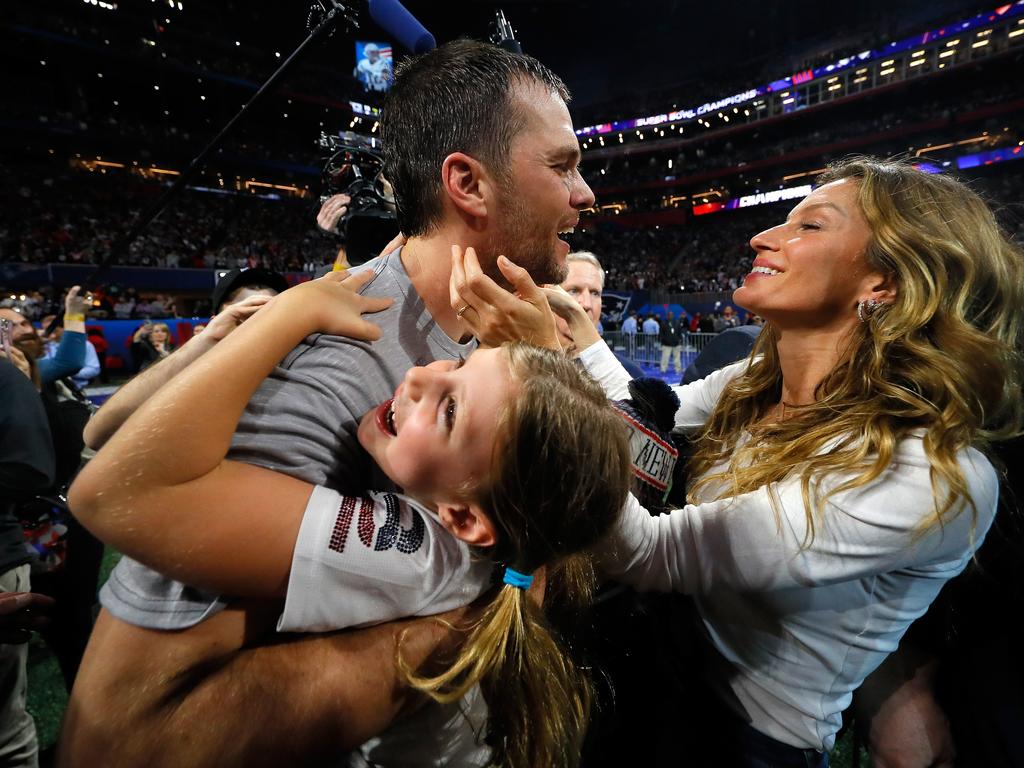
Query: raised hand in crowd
x,y
76,304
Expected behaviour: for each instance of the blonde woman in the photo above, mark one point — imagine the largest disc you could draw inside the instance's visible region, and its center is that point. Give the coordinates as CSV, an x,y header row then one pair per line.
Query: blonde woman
x,y
840,475
151,343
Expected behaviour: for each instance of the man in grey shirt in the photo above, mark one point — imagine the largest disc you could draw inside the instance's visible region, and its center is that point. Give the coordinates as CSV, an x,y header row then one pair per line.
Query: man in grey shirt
x,y
481,151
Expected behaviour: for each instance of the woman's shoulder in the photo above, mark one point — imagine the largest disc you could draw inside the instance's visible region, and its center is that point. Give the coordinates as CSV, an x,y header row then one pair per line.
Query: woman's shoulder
x,y
980,476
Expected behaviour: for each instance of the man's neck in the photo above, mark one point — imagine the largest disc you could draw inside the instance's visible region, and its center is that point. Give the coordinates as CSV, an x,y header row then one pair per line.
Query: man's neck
x,y
428,262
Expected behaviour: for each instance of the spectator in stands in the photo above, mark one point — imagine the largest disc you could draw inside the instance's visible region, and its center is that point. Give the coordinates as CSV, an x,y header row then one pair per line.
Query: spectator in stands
x,y
26,467
729,318
240,284
70,355
70,563
143,308
629,331
151,343
671,335
124,308
51,344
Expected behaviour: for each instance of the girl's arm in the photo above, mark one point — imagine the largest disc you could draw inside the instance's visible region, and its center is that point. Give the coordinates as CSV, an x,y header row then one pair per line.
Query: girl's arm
x,y
161,490
130,396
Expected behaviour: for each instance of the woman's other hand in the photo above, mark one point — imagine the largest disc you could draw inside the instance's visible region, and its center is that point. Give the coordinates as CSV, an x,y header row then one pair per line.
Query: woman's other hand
x,y
575,323
493,314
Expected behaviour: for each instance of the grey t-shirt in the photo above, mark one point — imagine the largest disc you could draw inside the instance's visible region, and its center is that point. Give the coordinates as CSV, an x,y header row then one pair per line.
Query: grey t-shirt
x,y
303,421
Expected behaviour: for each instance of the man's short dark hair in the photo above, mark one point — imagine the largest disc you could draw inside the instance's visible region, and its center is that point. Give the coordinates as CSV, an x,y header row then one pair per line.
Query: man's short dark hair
x,y
456,98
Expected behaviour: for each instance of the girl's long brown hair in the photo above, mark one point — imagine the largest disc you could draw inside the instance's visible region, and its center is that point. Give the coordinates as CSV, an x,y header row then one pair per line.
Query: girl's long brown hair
x,y
560,475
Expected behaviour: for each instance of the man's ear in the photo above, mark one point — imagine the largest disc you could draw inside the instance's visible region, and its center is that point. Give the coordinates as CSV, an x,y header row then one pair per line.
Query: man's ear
x,y
468,186
469,522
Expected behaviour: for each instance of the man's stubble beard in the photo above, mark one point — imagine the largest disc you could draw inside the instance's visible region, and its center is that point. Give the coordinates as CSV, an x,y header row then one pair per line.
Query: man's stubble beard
x,y
531,250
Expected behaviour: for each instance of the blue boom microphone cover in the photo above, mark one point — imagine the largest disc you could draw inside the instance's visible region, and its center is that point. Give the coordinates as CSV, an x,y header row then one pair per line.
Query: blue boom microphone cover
x,y
394,19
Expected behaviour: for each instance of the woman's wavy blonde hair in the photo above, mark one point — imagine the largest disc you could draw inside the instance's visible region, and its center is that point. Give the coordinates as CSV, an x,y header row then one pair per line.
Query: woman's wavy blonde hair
x,y
944,360
560,473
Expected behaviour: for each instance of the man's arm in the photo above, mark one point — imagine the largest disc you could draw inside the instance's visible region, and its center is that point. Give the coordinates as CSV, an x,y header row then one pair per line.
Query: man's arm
x,y
129,397
201,697
91,368
897,710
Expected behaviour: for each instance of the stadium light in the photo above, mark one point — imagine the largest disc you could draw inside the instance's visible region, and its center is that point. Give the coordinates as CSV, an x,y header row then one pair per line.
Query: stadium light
x,y
979,44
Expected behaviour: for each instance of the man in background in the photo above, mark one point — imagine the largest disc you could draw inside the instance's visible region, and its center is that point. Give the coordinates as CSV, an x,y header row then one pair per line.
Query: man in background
x,y
91,368
671,336
585,283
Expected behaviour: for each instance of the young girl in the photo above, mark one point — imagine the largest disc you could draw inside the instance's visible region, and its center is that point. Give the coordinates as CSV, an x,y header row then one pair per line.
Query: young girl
x,y
510,457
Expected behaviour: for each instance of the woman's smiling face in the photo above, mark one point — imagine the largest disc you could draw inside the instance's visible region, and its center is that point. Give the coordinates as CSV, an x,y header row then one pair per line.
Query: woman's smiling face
x,y
811,271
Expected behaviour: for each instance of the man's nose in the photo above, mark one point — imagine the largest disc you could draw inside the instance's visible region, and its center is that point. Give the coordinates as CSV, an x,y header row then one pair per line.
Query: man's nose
x,y
582,195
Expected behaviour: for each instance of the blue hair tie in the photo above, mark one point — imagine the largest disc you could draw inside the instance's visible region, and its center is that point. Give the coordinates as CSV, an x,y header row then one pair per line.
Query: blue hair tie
x,y
517,579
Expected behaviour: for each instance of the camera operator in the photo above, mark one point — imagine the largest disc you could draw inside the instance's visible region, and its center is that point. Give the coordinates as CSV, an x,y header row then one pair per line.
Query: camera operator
x,y
358,206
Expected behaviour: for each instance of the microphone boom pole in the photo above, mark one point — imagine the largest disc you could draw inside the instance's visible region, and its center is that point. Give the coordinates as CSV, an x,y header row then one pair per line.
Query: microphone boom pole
x,y
339,11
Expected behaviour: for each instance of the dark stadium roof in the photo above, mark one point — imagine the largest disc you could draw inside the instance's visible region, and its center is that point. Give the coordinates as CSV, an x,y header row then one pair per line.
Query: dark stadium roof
x,y
610,49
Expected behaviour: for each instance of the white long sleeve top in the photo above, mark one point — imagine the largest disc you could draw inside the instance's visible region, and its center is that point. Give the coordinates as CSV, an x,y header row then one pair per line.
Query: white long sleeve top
x,y
798,626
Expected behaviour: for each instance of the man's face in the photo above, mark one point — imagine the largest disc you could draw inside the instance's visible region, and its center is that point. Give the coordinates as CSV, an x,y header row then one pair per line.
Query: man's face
x,y
20,327
545,192
584,284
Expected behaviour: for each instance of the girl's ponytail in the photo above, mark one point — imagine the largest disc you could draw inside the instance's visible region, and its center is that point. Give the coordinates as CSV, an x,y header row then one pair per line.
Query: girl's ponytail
x,y
538,699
